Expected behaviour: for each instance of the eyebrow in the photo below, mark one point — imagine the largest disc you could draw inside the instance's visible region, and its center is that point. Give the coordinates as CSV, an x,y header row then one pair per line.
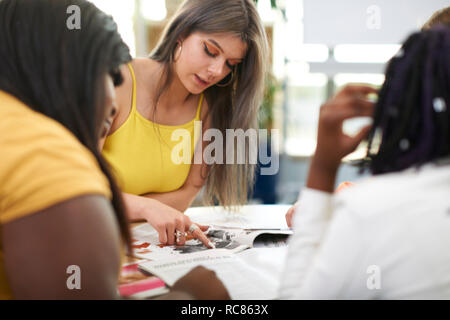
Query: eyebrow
x,y
220,48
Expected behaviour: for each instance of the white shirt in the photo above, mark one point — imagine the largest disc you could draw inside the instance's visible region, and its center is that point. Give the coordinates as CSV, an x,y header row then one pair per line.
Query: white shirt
x,y
387,237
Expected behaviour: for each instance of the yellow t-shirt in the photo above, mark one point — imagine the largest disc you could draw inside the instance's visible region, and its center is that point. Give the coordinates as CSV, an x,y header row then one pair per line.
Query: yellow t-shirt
x,y
41,164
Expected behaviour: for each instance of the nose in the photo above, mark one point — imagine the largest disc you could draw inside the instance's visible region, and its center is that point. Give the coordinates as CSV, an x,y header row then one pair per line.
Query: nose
x,y
216,69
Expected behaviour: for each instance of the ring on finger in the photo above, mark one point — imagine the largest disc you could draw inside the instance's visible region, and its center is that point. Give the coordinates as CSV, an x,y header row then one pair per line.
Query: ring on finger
x,y
178,234
193,227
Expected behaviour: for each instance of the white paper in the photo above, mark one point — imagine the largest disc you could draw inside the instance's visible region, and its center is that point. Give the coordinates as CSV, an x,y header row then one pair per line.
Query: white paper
x,y
243,281
269,261
248,217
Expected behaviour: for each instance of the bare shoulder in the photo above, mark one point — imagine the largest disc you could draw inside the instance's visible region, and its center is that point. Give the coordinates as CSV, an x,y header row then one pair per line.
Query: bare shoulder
x,y
142,64
141,67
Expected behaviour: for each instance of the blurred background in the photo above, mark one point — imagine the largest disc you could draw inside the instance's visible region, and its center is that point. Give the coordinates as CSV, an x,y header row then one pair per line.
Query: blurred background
x,y
317,46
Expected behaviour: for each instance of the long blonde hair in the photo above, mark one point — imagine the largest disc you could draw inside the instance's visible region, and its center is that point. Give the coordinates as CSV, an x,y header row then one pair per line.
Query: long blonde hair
x,y
234,106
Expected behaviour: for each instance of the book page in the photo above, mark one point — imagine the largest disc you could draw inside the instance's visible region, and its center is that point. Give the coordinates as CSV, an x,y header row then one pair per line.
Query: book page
x,y
242,280
270,261
263,238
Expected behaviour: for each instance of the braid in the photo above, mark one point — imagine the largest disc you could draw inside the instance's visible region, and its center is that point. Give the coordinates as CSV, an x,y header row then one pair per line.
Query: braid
x,y
412,110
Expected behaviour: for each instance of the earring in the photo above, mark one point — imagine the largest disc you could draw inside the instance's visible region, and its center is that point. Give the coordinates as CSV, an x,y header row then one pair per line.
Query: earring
x,y
228,83
179,51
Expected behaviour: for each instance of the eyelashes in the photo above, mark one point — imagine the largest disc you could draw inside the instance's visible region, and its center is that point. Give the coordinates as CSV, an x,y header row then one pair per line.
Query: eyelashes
x,y
208,52
215,55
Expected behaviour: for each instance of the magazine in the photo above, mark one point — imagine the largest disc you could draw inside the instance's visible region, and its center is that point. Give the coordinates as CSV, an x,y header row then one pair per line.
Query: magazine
x,y
146,241
133,283
247,274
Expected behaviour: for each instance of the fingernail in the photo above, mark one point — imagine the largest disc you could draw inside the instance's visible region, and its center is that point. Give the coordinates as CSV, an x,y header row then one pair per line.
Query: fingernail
x,y
212,245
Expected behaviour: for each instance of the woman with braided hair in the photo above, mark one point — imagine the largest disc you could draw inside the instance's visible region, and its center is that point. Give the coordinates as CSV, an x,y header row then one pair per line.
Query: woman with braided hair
x,y
388,236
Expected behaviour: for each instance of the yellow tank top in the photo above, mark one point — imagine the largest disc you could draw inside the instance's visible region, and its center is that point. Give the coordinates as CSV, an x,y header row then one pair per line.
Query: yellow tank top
x,y
141,152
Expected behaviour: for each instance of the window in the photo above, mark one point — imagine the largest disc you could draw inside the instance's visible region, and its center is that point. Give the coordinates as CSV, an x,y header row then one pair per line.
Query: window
x,y
123,14
315,72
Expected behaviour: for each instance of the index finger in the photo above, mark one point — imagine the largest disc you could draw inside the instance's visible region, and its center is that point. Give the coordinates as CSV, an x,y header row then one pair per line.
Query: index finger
x,y
198,234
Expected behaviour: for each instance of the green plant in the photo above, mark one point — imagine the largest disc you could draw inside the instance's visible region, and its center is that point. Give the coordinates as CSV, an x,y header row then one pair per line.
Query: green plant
x,y
266,113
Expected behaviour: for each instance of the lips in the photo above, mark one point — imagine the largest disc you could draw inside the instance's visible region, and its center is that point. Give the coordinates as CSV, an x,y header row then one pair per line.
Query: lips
x,y
201,81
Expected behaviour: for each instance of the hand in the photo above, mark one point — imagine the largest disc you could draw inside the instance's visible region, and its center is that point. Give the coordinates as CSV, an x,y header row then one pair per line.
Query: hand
x,y
202,284
290,214
332,143
167,221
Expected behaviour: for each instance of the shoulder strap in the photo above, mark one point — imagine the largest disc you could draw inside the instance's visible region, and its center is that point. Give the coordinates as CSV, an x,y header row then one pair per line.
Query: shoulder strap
x,y
133,77
199,108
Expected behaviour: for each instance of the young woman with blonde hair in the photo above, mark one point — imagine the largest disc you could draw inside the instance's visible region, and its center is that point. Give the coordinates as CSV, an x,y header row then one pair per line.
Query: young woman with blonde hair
x,y
209,66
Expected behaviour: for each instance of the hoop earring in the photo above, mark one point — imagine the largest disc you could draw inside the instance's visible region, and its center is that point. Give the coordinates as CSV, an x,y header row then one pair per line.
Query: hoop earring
x,y
228,83
179,52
